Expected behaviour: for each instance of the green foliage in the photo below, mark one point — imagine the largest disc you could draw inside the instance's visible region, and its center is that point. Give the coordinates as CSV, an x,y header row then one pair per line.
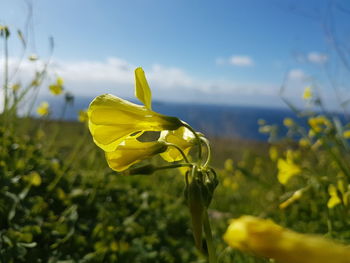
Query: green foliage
x,y
50,213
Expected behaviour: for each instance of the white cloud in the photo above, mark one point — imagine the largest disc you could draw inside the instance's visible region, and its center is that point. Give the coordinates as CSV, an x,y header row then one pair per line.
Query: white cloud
x,y
296,74
241,61
236,60
317,58
116,76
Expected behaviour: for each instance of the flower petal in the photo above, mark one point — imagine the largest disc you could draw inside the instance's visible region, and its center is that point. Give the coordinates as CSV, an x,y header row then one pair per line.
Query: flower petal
x,y
142,90
131,151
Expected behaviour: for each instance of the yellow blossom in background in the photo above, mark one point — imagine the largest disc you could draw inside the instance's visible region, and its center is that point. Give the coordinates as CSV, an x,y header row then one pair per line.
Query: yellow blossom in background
x,y
295,197
182,137
131,151
228,165
288,122
261,122
59,81
307,93
43,109
346,134
319,123
286,170
334,197
303,142
267,239
33,57
83,116
273,152
16,87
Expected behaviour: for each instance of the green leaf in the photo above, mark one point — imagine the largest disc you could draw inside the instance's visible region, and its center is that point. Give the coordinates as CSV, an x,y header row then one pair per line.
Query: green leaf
x,y
142,90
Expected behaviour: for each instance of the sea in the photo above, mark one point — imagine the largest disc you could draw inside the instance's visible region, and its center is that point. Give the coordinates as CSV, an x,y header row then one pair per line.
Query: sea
x,y
239,122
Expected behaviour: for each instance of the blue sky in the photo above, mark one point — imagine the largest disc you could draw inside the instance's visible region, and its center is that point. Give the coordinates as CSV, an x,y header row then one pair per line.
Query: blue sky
x,y
232,52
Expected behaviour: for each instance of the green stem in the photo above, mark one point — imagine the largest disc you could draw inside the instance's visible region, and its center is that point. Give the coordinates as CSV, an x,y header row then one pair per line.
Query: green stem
x,y
206,142
209,238
197,138
174,166
6,98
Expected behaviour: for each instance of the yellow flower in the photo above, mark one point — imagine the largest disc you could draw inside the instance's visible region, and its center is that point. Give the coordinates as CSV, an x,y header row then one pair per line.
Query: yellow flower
x,y
16,87
267,239
182,137
307,93
286,170
295,197
228,165
319,123
273,152
131,151
346,134
43,109
288,122
334,197
303,142
83,116
112,119
57,88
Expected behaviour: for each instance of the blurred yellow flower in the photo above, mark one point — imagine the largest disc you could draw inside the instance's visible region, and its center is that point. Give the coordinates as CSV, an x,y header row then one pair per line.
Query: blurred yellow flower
x,y
16,87
43,109
131,151
33,57
182,138
334,197
346,134
319,123
295,197
286,170
303,142
267,239
57,88
288,122
273,152
228,165
83,116
307,93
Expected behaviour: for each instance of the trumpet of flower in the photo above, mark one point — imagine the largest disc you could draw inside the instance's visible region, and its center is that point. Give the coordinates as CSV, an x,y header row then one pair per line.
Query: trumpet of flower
x,y
267,239
112,119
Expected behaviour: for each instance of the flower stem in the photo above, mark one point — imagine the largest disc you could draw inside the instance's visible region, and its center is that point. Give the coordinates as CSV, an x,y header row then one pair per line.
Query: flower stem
x,y
209,238
206,142
197,138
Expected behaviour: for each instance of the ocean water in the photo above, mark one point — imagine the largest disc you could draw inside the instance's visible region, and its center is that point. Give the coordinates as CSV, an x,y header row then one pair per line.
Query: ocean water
x,y
212,120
